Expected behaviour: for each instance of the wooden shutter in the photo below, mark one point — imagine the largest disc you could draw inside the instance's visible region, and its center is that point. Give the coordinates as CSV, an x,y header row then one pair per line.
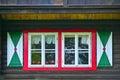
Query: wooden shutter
x,y
104,49
14,49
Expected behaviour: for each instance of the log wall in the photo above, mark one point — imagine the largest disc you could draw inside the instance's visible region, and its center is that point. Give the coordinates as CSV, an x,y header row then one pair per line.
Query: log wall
x,y
110,73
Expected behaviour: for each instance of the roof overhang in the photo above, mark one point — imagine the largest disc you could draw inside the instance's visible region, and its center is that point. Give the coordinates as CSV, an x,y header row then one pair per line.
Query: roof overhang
x,y
11,9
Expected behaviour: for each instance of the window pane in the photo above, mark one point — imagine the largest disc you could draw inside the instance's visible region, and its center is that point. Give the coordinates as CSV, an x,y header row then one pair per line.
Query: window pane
x,y
23,1
69,42
83,57
50,49
36,58
50,58
116,1
69,56
83,42
76,1
11,1
58,1
50,42
47,1
83,2
36,42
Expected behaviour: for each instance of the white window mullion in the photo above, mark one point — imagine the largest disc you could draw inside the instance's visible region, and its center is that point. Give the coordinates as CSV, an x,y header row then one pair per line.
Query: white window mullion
x,y
56,50
90,51
76,50
43,51
29,50
63,61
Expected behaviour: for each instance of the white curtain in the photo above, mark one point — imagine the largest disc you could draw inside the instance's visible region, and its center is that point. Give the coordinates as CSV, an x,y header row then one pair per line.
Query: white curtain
x,y
50,39
36,39
84,39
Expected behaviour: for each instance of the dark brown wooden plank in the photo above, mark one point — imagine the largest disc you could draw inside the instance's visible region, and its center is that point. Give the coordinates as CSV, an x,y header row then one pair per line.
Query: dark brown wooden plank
x,y
0,43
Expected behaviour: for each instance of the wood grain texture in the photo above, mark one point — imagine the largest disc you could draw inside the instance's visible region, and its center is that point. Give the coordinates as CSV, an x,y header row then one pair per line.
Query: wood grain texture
x,y
0,44
97,16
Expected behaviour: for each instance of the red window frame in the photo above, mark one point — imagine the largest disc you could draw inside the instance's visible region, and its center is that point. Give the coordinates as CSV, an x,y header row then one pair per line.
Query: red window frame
x,y
93,35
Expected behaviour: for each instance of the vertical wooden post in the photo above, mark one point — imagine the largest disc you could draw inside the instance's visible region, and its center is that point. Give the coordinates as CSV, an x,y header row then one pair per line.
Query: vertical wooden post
x,y
0,44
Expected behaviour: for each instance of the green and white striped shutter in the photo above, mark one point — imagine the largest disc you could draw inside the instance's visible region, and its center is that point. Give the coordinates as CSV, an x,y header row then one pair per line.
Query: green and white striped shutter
x,y
14,49
104,49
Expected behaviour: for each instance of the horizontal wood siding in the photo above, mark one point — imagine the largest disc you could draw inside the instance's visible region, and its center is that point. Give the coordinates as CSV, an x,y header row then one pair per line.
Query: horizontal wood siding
x,y
111,73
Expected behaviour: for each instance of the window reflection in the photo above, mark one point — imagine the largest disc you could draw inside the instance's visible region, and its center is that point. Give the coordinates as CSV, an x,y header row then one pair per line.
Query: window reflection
x,y
69,49
83,42
83,57
47,1
69,42
69,56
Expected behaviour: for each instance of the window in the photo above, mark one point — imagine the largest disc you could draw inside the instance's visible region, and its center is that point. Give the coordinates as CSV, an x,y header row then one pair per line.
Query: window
x,y
32,2
47,2
83,2
42,49
76,49
92,2
59,49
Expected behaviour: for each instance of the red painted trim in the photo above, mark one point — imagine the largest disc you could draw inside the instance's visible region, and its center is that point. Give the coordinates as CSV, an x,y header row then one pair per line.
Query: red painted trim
x,y
94,50
65,30
25,67
59,50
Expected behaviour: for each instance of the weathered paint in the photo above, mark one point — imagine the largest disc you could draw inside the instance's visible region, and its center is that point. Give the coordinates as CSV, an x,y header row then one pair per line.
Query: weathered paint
x,y
66,16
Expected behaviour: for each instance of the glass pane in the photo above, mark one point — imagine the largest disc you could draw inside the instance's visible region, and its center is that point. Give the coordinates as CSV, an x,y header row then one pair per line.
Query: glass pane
x,y
3,2
93,2
47,1
76,1
83,42
58,1
36,42
83,2
116,1
69,56
69,42
50,42
50,58
50,49
23,1
11,1
83,57
36,58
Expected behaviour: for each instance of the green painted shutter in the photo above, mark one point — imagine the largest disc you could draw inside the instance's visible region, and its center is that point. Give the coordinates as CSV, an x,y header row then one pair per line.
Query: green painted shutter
x,y
104,49
14,49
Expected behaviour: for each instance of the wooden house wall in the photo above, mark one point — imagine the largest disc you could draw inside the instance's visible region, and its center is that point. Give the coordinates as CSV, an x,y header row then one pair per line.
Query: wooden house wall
x,y
0,44
1,74
110,73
